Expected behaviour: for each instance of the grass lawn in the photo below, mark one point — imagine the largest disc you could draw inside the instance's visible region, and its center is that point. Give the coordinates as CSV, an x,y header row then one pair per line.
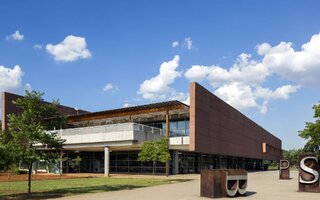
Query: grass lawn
x,y
66,187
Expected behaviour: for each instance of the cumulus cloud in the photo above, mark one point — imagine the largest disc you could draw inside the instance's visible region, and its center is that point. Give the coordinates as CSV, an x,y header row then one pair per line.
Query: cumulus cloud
x,y
158,87
15,36
197,73
10,79
244,70
282,92
241,84
188,43
110,87
237,94
302,66
70,49
175,44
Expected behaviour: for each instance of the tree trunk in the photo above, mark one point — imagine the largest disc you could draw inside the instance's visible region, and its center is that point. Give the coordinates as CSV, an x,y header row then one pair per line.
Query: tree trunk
x,y
29,178
153,169
9,173
61,164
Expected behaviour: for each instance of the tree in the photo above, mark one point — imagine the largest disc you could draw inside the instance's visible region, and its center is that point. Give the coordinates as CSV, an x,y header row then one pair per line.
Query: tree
x,y
292,156
155,151
27,130
311,132
8,154
75,163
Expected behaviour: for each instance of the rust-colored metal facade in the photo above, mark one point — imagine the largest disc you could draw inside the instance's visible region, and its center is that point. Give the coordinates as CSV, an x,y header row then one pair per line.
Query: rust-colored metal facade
x,y
314,167
214,182
217,128
284,172
8,107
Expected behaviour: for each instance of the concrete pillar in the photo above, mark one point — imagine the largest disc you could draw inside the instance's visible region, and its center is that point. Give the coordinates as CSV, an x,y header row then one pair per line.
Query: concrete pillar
x,y
106,161
175,162
61,162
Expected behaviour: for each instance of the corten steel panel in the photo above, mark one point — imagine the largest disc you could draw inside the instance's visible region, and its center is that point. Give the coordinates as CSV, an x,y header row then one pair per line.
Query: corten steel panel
x,y
8,107
213,181
284,172
218,128
307,187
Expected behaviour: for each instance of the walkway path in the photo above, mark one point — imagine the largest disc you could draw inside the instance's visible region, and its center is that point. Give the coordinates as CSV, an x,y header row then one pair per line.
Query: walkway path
x,y
262,185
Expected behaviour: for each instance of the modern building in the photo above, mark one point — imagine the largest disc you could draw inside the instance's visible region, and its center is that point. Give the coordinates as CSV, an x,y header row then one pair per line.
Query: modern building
x,y
208,133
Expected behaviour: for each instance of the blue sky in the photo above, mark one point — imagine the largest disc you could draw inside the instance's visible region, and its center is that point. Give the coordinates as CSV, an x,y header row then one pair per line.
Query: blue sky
x,y
98,55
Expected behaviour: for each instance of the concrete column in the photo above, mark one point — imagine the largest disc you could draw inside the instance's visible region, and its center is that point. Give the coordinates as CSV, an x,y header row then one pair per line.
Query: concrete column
x,y
61,162
176,162
106,161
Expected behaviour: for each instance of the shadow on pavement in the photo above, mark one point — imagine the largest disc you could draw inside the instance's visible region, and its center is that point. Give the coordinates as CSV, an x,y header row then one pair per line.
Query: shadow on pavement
x,y
75,191
250,193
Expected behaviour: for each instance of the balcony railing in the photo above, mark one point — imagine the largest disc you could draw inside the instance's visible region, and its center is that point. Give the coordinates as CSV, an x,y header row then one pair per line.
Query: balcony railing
x,y
109,128
110,133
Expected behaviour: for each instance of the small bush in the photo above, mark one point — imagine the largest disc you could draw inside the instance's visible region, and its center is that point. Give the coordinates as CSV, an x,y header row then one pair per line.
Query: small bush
x,y
22,171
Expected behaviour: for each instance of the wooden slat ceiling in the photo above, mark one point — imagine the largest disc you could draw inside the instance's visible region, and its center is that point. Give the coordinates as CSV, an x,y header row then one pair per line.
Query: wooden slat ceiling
x,y
135,110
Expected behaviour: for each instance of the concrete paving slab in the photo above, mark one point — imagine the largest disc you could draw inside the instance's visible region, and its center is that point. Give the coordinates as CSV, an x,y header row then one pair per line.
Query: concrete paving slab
x,y
262,185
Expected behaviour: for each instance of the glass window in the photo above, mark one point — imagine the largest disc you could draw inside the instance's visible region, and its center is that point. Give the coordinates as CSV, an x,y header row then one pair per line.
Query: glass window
x,y
173,126
181,125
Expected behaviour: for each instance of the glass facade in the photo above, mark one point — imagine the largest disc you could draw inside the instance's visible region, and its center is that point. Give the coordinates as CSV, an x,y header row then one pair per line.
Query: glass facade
x,y
120,162
177,128
127,162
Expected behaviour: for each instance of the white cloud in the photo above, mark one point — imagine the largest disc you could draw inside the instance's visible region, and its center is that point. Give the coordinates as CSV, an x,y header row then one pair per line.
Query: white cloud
x,y
241,84
188,43
302,66
10,79
126,105
158,87
263,48
37,46
282,92
28,87
243,96
175,44
15,36
70,49
237,94
186,101
110,87
244,70
197,72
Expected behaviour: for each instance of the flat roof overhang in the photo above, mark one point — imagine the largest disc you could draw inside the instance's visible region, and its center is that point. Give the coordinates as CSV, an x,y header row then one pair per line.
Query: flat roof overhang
x,y
172,106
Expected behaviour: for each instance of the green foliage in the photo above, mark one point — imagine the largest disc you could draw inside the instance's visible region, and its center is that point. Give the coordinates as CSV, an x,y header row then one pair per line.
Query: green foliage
x,y
26,130
292,156
75,163
311,132
8,153
155,151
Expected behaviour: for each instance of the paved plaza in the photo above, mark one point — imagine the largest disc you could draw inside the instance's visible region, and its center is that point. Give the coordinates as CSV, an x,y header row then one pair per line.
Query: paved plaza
x,y
262,185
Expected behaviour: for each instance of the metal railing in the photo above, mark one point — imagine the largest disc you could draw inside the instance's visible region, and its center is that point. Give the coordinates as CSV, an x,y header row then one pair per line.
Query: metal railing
x,y
109,128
